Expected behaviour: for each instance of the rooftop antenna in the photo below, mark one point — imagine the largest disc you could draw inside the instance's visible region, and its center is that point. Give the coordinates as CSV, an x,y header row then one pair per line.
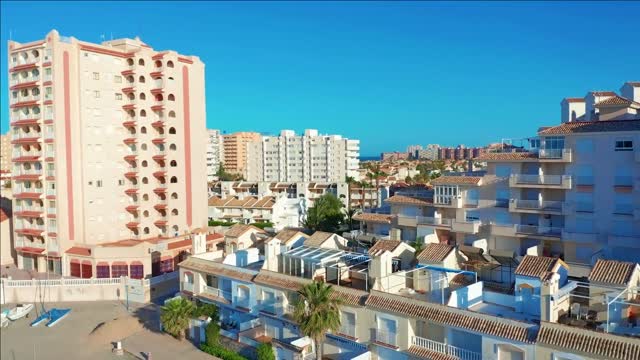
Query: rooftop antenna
x,y
102,37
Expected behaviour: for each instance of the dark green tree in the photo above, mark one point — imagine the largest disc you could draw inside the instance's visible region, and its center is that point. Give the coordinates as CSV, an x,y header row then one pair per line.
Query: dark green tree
x,y
325,215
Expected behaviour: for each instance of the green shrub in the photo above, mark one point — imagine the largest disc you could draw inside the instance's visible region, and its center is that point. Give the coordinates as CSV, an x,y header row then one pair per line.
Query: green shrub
x,y
221,352
265,352
206,309
221,223
213,333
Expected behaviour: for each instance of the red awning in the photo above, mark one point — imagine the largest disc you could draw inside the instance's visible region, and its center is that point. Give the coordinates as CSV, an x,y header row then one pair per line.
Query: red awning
x,y
76,250
30,250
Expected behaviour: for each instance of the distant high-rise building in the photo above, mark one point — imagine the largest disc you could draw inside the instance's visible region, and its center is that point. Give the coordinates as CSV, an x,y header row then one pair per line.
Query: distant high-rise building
x,y
297,158
412,150
214,153
235,151
108,148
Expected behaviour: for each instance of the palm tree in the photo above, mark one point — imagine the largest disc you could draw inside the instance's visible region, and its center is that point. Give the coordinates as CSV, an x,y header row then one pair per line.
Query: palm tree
x,y
317,312
350,213
175,317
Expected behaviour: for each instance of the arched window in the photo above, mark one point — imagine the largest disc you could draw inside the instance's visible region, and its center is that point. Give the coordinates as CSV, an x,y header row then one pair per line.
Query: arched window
x,y
130,79
102,270
141,62
143,147
145,213
158,63
175,228
143,130
173,163
145,180
174,180
144,163
87,269
142,96
130,61
172,130
145,197
145,230
35,54
137,270
159,97
131,96
119,268
143,113
174,196
170,63
172,114
174,212
172,147
171,97
141,79
131,113
74,267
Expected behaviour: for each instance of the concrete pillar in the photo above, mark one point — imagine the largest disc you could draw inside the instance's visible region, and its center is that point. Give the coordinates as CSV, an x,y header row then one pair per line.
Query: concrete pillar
x,y
42,263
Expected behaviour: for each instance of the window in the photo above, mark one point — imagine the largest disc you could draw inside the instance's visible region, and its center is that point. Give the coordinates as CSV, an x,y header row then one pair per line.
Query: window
x,y
624,145
120,182
166,265
87,269
102,271
137,270
96,76
75,268
118,96
118,270
98,183
96,94
117,79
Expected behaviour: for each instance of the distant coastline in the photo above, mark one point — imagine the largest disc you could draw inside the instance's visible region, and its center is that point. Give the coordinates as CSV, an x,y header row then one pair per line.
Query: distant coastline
x,y
369,158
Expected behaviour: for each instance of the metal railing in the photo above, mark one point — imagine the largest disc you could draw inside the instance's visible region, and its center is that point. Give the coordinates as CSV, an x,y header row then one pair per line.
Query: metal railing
x,y
217,292
17,135
348,329
19,99
24,189
441,348
241,301
23,61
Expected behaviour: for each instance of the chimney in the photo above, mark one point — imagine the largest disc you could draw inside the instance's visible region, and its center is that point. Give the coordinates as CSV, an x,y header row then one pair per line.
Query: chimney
x,y
547,289
380,268
273,248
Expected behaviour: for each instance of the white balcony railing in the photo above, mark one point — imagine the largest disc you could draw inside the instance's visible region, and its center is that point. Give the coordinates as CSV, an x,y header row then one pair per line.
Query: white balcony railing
x,y
386,337
555,154
441,348
23,189
546,180
24,80
19,99
217,292
19,115
25,61
17,135
537,205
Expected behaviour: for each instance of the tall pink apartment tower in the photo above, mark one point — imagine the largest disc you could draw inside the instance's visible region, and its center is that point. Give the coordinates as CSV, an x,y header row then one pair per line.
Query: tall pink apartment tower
x,y
109,154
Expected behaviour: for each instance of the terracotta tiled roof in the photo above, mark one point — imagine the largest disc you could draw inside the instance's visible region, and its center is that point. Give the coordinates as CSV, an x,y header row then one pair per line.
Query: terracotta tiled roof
x,y
616,100
374,218
212,237
383,245
318,238
219,269
537,266
434,253
3,215
574,99
603,345
486,324
612,272
76,250
423,353
348,296
457,180
507,156
238,229
409,200
603,93
249,202
288,234
592,126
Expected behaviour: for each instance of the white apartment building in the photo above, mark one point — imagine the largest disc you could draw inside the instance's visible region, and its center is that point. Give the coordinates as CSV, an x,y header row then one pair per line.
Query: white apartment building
x,y
214,153
303,158
107,151
280,210
574,194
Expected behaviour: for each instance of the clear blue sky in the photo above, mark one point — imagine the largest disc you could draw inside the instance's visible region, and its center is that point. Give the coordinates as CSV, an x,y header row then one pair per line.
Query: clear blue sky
x,y
389,74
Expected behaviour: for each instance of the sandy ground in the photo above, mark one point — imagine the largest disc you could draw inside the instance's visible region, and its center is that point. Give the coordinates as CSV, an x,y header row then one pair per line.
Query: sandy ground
x,y
68,339
89,332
